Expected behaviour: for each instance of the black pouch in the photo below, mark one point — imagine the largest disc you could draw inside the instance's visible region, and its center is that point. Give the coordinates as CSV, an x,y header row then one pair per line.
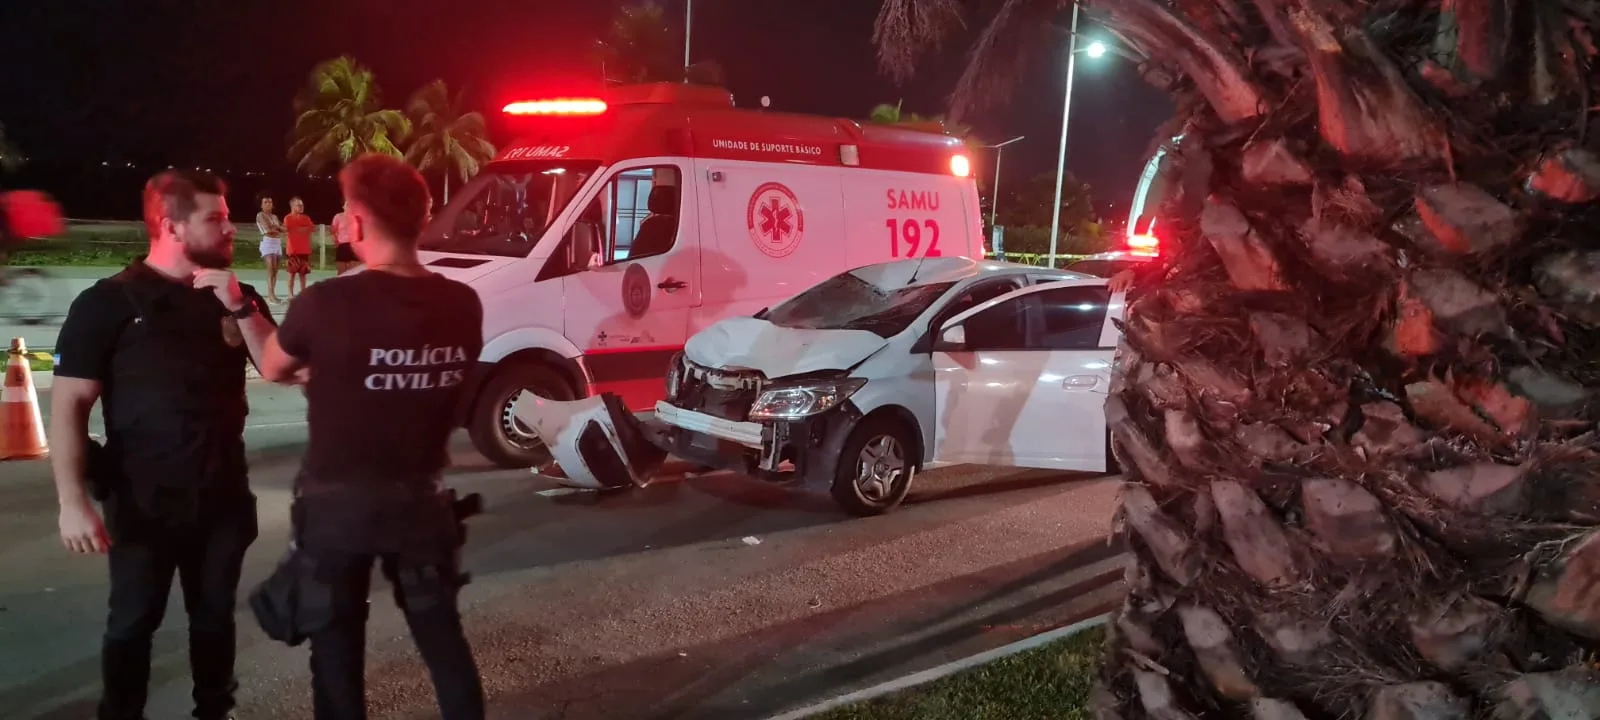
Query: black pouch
x,y
293,603
99,471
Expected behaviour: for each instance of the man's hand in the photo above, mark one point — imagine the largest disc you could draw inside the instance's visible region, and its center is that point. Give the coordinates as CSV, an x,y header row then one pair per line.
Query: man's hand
x,y
81,529
225,284
1120,282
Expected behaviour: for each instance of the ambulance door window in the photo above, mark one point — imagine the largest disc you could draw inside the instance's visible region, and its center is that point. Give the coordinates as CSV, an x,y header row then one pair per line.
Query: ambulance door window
x,y
645,203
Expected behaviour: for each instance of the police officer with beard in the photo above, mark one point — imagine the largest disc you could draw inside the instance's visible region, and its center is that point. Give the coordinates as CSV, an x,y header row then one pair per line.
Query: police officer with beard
x,y
162,346
386,349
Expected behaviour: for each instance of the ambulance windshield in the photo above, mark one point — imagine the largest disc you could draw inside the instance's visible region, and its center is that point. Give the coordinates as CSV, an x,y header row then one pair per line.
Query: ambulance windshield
x,y
506,208
846,302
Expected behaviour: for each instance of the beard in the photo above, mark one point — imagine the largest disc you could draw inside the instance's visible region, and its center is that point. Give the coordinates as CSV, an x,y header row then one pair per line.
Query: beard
x,y
218,258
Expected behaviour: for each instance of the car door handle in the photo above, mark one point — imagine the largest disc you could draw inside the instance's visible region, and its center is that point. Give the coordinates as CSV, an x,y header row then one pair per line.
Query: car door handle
x,y
1074,382
670,285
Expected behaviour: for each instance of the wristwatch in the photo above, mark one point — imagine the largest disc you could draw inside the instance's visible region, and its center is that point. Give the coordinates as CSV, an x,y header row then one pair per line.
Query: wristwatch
x,y
244,312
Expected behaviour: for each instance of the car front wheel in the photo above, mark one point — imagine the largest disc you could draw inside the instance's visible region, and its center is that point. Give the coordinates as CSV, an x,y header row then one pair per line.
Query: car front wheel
x,y
875,467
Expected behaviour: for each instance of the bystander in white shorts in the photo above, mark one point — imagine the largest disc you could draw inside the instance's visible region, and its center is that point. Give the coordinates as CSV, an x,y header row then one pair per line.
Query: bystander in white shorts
x,y
271,246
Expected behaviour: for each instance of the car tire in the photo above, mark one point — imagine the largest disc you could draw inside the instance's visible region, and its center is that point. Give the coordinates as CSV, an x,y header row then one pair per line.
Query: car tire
x,y
1112,466
492,428
867,491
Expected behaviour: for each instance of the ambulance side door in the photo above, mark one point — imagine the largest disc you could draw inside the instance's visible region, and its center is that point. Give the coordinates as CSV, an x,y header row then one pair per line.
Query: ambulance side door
x,y
779,230
633,276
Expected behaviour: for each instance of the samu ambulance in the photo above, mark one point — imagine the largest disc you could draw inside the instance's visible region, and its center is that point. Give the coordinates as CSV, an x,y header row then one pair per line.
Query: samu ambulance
x,y
620,225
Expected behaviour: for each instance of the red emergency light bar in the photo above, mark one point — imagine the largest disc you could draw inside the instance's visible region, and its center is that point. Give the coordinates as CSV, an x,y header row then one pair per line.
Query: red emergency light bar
x,y
560,106
1147,243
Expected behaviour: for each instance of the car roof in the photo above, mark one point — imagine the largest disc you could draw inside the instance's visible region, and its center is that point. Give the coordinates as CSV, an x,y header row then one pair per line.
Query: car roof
x,y
929,271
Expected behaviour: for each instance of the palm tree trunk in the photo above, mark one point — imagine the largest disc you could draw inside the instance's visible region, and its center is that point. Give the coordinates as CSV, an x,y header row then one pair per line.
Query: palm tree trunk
x,y
1353,404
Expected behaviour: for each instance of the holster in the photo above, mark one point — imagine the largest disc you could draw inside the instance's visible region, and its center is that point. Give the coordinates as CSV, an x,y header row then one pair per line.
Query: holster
x,y
100,471
293,603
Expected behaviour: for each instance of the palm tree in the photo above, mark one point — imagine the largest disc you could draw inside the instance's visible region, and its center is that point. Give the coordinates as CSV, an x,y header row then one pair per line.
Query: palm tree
x,y
1352,403
447,140
340,115
10,156
643,47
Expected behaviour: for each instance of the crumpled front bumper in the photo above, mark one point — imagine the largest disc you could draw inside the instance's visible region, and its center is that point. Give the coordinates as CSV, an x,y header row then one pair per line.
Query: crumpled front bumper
x,y
599,444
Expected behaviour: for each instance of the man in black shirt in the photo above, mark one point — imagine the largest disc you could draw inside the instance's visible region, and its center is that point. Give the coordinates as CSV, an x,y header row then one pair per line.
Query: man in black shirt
x,y
162,346
387,349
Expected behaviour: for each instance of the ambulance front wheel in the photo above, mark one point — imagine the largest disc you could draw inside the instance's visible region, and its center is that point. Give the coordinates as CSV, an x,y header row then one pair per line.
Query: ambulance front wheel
x,y
495,430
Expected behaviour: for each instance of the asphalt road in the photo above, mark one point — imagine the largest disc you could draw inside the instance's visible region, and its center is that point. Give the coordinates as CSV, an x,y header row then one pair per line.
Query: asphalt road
x,y
708,597
62,284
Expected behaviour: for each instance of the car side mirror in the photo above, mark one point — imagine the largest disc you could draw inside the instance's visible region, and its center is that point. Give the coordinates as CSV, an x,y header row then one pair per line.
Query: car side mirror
x,y
953,337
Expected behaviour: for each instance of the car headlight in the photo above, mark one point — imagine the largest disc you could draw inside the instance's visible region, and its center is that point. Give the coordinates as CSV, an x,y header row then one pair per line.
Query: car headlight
x,y
791,402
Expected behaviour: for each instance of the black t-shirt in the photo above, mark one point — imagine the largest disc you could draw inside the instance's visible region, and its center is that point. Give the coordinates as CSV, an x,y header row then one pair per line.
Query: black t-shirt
x,y
388,356
171,363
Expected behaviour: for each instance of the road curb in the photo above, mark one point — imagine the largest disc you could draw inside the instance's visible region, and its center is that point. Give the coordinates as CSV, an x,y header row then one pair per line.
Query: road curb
x,y
945,670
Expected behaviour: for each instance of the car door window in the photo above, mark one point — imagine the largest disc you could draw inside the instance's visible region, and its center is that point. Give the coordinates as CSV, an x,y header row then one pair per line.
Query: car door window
x,y
1070,318
1002,327
975,295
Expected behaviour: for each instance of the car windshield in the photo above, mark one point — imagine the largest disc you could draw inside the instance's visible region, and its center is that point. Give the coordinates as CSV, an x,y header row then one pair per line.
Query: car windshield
x,y
506,208
846,302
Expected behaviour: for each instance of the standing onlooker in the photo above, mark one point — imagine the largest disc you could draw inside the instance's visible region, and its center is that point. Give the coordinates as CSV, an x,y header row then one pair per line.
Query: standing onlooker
x,y
162,347
271,245
386,351
298,226
346,230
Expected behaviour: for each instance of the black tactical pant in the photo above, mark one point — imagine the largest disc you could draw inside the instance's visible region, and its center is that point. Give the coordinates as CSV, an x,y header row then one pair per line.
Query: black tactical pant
x,y
206,551
428,600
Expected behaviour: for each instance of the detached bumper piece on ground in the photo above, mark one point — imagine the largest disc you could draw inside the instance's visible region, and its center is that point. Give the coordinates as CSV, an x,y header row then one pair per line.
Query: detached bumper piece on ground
x,y
597,442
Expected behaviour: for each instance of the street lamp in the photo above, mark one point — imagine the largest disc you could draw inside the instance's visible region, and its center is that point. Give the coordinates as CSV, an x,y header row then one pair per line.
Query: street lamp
x,y
688,29
1094,50
994,203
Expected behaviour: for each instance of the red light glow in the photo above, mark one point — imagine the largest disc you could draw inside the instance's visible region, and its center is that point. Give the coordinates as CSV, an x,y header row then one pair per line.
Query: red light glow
x,y
960,166
561,106
1147,243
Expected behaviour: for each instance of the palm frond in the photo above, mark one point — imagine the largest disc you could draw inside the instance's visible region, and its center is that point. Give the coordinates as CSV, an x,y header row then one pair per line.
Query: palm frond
x,y
906,28
1019,34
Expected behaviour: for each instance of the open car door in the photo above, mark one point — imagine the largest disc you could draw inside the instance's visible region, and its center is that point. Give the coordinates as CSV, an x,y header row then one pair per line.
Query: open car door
x,y
1022,380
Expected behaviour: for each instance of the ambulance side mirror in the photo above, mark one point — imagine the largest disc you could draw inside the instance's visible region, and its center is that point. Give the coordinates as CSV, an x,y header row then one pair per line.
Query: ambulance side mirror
x,y
581,246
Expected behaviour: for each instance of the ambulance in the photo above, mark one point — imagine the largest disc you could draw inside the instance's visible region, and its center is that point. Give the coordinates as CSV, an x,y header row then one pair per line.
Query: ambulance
x,y
620,225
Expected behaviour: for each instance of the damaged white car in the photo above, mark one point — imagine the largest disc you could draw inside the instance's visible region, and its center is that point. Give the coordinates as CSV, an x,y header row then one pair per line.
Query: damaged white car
x,y
864,379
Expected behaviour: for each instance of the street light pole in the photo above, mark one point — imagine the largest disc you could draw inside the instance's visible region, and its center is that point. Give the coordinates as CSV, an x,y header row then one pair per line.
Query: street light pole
x,y
1066,113
688,30
994,203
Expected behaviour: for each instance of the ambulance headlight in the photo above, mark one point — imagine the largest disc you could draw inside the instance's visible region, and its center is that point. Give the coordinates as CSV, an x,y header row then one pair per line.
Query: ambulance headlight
x,y
792,402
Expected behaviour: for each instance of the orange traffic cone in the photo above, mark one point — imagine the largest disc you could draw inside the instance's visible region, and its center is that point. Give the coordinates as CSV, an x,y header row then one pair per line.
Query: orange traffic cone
x,y
21,427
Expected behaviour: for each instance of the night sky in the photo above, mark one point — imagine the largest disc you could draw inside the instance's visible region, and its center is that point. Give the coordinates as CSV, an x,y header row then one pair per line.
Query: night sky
x,y
89,83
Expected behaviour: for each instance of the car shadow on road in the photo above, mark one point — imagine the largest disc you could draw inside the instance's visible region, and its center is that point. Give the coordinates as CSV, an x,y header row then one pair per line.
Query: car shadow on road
x,y
704,509
763,672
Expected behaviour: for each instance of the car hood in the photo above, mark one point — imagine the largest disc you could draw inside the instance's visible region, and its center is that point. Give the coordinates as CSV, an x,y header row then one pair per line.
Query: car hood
x,y
746,343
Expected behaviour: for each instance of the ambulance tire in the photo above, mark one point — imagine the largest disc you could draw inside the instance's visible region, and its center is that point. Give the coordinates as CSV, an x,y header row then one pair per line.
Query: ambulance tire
x,y
488,428
889,438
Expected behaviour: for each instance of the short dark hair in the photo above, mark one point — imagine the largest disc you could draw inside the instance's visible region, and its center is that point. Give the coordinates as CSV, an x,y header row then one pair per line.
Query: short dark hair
x,y
393,191
170,195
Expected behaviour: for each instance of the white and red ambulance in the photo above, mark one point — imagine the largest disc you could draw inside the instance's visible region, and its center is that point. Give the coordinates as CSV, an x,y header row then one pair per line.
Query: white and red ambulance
x,y
620,225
